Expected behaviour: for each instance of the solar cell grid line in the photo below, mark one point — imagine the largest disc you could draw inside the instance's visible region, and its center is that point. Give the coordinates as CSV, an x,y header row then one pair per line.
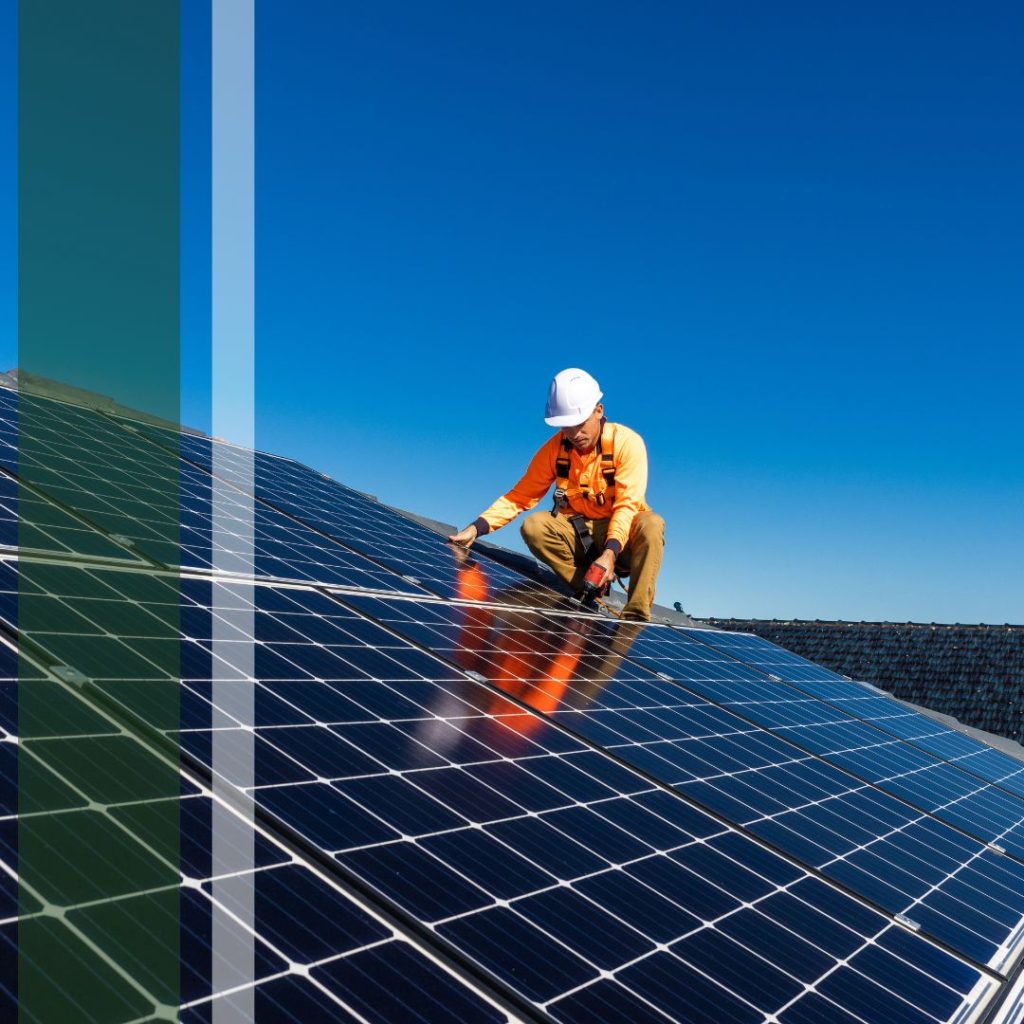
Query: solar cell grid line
x,y
537,808
319,953
928,783
902,860
368,526
139,492
868,703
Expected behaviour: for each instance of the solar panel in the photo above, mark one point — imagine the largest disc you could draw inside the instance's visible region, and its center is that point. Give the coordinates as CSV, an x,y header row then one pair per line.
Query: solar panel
x,y
767,656
953,887
900,769
161,505
96,874
386,536
579,885
477,810
869,704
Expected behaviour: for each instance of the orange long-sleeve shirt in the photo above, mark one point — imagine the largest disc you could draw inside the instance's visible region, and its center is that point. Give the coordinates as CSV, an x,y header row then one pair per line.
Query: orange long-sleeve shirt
x,y
585,474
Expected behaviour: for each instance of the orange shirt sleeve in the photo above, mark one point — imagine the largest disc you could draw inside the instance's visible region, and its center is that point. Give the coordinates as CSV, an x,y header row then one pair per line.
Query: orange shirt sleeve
x,y
630,487
535,483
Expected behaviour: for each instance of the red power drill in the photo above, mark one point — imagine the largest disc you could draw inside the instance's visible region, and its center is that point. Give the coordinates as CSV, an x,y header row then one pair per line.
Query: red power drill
x,y
593,587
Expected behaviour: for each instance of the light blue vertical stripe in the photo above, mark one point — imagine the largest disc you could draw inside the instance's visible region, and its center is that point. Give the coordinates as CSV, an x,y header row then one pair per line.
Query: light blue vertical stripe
x,y
233,417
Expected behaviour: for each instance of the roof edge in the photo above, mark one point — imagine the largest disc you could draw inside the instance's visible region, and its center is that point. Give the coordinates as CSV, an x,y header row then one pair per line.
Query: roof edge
x,y
712,619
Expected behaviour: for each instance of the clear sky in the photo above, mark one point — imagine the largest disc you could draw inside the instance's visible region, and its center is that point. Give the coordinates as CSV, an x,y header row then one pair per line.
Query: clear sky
x,y
788,240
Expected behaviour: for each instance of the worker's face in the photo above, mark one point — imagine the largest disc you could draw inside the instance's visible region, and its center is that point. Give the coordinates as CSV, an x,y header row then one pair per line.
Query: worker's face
x,y
584,436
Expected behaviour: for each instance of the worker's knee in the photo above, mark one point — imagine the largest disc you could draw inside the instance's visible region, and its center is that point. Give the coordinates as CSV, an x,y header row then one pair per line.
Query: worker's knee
x,y
536,528
649,528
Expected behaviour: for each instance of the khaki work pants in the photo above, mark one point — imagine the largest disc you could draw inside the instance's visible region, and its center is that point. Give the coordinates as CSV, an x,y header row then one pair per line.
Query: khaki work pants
x,y
553,540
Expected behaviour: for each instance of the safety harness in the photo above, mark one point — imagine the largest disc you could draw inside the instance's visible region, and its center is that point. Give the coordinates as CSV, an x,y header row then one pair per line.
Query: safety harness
x,y
561,496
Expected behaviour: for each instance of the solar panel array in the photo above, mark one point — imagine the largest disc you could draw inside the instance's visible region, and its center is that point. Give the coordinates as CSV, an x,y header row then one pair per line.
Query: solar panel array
x,y
469,800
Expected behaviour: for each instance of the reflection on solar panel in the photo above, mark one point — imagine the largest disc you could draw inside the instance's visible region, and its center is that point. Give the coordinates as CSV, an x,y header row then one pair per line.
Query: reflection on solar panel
x,y
463,811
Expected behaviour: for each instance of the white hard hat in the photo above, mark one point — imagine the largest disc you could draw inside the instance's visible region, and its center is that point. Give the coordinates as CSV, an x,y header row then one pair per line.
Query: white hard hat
x,y
572,397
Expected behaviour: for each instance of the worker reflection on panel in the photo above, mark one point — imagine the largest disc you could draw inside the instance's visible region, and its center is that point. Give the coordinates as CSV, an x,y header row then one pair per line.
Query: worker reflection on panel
x,y
550,663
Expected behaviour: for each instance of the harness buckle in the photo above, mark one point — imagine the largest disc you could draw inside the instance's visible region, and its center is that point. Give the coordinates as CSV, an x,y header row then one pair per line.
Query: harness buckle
x,y
560,501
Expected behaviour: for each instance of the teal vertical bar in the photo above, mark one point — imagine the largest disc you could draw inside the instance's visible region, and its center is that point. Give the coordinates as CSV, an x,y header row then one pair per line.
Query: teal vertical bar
x,y
98,190
98,185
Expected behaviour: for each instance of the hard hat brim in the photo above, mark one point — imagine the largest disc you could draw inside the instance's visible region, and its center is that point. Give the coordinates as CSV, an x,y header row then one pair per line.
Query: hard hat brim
x,y
569,420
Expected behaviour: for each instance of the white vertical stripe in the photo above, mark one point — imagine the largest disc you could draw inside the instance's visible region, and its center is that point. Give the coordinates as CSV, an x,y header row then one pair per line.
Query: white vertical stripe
x,y
233,417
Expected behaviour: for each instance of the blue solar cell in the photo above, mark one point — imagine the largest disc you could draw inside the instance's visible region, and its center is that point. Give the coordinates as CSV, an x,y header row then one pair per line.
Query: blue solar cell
x,y
326,817
391,984
643,907
402,807
935,1001
686,994
486,861
307,920
289,999
541,968
815,1010
600,937
756,980
753,650
797,957
605,1000
418,882
868,1000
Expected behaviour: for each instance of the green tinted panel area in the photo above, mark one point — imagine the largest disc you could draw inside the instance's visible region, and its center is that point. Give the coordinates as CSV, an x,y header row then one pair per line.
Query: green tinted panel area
x,y
77,854
113,479
48,995
83,856
41,789
53,711
33,523
104,625
124,928
108,769
76,768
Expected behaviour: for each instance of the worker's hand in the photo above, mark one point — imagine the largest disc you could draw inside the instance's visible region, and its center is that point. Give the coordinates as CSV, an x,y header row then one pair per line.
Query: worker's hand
x,y
464,537
607,562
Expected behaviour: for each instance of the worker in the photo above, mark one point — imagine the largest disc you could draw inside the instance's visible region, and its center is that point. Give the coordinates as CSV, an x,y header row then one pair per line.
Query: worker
x,y
599,517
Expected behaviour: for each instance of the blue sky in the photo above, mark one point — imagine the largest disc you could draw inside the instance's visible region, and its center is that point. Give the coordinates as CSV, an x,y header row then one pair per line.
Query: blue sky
x,y
787,239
